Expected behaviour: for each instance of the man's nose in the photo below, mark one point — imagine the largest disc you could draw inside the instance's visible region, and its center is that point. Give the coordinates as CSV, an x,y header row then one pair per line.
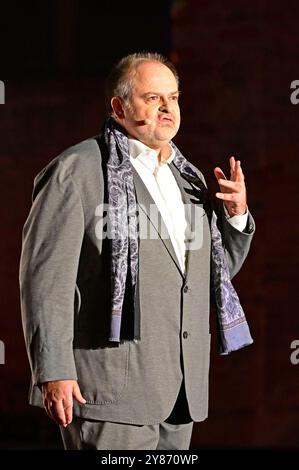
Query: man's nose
x,y
165,105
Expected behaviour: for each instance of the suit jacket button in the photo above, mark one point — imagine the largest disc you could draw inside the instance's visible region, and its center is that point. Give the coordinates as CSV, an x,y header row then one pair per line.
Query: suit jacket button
x,y
185,335
186,288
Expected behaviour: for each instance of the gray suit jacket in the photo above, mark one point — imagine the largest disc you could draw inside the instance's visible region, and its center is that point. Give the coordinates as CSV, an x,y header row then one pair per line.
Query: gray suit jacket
x,y
65,297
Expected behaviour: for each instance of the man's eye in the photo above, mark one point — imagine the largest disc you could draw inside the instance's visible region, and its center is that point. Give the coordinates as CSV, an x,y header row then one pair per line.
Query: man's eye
x,y
175,98
153,98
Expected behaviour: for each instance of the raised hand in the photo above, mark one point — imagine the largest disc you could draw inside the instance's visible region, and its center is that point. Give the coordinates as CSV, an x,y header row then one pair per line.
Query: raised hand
x,y
233,191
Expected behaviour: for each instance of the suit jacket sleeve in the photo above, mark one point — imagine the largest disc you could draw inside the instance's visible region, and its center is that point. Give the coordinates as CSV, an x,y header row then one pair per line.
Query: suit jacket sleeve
x,y
52,238
236,243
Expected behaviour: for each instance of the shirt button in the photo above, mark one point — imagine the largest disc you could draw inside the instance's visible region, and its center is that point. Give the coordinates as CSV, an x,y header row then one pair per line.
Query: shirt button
x,y
186,288
185,335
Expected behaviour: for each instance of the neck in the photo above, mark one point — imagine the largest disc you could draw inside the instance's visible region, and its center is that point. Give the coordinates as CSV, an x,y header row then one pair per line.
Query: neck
x,y
164,153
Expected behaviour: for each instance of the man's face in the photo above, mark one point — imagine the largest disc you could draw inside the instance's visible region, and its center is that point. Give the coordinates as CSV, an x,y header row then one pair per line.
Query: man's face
x,y
155,97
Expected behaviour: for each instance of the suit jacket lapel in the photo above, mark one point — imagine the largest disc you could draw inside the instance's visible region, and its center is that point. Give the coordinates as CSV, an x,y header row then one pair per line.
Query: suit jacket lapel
x,y
148,207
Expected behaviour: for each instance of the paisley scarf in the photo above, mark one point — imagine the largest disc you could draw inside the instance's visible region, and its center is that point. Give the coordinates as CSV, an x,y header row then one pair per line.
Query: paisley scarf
x,y
122,215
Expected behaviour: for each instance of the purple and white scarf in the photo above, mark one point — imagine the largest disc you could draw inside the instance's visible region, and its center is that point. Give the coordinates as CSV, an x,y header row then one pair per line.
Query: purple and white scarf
x,y
122,215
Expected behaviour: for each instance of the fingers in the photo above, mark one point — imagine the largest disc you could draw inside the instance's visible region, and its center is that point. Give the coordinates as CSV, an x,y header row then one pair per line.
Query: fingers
x,y
219,173
233,191
68,410
232,197
55,411
58,413
231,185
77,394
47,407
58,400
232,163
236,173
239,175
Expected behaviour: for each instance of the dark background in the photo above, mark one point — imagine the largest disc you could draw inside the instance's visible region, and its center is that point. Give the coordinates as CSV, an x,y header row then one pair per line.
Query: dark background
x,y
236,61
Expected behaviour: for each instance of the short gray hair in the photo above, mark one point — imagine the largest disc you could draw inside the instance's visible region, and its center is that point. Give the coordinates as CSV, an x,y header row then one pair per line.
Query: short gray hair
x,y
120,80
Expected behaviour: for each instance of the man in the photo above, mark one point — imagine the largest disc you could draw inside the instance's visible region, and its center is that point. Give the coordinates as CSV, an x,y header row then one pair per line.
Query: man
x,y
117,324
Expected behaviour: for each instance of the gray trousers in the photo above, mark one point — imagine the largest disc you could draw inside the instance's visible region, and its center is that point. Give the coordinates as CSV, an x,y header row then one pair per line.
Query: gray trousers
x,y
174,433
84,434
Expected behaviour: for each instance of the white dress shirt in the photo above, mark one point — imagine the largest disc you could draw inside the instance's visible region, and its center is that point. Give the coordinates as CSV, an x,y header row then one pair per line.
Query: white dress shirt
x,y
163,188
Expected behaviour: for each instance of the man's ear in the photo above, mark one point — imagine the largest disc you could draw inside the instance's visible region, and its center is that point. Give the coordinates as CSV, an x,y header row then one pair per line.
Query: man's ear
x,y
117,106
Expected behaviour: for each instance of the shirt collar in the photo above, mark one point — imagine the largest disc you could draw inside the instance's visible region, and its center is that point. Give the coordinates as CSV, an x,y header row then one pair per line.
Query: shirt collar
x,y
146,155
